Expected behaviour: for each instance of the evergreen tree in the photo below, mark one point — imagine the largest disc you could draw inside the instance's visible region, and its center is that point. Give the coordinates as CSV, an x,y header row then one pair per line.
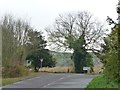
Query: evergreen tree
x,y
36,56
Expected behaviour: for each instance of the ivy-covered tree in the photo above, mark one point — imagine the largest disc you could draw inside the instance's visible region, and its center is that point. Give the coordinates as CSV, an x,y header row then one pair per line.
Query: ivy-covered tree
x,y
78,32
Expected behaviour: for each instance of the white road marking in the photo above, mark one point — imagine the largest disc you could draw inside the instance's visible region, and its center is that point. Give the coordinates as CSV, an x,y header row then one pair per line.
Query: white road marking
x,y
18,82
56,81
61,78
33,78
37,77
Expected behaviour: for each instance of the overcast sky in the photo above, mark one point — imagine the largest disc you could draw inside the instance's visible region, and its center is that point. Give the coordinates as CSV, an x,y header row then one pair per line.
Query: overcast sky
x,y
42,13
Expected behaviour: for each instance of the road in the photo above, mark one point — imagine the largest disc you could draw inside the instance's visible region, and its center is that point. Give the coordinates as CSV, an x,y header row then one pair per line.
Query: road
x,y
54,81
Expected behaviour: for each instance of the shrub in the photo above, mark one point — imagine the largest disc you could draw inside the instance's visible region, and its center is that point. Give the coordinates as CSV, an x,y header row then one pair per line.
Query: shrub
x,y
14,71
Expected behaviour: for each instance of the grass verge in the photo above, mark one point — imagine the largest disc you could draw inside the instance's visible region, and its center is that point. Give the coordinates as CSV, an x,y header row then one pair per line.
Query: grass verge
x,y
6,81
102,82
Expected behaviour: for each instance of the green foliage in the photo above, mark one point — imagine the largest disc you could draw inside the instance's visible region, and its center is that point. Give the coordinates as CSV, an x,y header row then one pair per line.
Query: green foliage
x,y
110,56
89,60
80,56
111,52
44,54
82,59
102,82
79,61
36,40
78,32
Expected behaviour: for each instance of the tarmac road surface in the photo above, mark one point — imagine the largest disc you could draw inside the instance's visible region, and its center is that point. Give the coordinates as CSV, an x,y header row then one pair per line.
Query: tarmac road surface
x,y
51,80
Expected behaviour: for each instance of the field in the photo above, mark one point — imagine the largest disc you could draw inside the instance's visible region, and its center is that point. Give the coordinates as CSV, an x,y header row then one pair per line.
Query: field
x,y
62,58
63,61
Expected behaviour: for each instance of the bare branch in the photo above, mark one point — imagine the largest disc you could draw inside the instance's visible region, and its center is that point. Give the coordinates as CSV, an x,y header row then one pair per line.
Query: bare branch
x,y
69,29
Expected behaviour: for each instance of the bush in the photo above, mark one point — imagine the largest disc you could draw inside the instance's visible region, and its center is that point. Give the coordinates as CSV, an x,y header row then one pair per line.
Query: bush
x,y
102,82
111,56
14,71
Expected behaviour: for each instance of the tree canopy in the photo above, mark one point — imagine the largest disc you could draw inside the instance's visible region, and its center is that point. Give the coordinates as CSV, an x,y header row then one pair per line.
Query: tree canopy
x,y
79,32
70,27
36,56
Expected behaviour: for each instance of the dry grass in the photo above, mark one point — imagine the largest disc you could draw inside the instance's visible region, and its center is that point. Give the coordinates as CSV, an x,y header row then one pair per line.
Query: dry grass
x,y
57,69
6,81
98,68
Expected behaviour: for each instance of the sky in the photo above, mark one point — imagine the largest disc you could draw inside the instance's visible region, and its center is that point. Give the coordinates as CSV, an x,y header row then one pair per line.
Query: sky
x,y
42,13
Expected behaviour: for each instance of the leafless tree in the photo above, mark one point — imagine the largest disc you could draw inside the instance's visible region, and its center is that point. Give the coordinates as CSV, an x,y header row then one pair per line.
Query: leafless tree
x,y
14,38
71,27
